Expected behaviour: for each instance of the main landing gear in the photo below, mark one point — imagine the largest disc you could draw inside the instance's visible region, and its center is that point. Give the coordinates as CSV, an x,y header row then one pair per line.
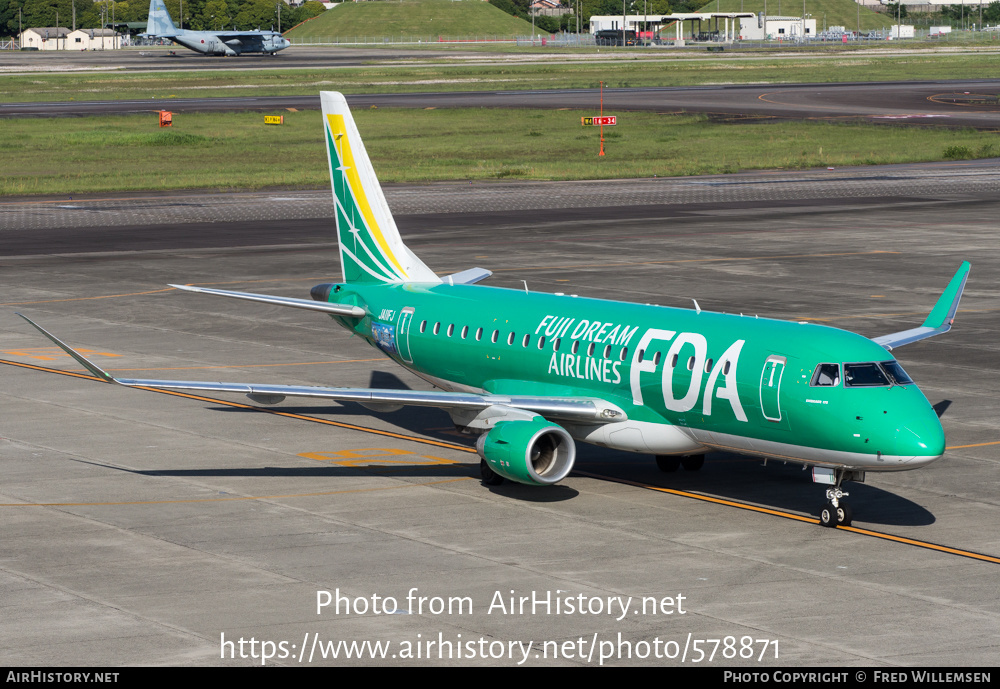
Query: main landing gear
x,y
671,463
490,477
836,512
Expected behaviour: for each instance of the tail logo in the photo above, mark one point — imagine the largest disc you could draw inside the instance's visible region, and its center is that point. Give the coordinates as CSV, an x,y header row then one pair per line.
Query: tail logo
x,y
363,245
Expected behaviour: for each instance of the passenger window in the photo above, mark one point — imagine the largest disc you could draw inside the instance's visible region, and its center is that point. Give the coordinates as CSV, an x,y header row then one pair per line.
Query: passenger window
x,y
590,349
624,354
656,358
541,341
607,351
708,366
479,334
526,340
437,328
451,329
423,326
725,369
826,375
642,353
510,339
465,331
691,364
576,347
496,336
555,345
673,361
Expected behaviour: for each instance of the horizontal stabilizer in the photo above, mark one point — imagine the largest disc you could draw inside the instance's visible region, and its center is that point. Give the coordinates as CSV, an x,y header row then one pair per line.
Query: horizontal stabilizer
x,y
467,277
939,320
347,310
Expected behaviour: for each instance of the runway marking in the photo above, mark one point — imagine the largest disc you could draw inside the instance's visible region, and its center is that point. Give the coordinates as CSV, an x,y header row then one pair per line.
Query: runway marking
x,y
106,296
796,517
882,315
693,260
364,457
959,447
51,353
938,98
233,498
461,448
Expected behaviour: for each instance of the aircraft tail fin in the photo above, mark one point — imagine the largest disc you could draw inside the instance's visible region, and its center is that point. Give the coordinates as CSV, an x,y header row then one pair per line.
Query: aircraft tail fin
x,y
159,22
371,249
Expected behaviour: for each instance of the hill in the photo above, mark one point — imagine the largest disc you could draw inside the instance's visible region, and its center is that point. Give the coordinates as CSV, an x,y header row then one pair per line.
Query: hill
x,y
431,18
825,12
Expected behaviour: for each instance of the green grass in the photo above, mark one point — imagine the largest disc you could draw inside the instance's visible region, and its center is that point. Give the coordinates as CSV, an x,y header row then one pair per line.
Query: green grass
x,y
834,12
655,68
428,18
237,151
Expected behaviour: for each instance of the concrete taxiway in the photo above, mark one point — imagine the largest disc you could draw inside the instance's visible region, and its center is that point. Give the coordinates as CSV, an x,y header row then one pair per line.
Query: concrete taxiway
x,y
148,528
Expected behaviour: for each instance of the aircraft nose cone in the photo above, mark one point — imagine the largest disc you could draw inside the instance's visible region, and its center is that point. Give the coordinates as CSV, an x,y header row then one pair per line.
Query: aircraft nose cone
x,y
920,438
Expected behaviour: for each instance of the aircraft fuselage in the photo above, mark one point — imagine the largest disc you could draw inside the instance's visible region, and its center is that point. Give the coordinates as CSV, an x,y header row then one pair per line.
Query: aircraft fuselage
x,y
688,381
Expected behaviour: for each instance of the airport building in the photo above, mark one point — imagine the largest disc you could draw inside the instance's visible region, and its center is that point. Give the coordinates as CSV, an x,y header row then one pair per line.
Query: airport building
x,y
778,28
708,26
44,38
61,38
94,39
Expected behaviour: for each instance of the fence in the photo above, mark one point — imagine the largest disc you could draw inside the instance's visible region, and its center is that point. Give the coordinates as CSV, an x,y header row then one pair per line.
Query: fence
x,y
537,40
570,40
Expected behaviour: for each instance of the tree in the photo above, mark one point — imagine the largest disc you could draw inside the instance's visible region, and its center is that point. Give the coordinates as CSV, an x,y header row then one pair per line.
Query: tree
x,y
213,16
991,14
256,14
895,9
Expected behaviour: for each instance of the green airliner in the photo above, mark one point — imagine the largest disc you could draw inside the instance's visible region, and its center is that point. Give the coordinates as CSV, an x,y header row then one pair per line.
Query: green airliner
x,y
533,373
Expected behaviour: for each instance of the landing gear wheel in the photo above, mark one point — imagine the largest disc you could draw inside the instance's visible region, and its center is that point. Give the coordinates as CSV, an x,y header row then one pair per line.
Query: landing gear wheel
x,y
828,515
836,512
844,514
668,463
693,462
490,477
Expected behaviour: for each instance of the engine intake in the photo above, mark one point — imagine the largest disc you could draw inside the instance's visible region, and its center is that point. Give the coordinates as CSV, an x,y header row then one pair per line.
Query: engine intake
x,y
535,452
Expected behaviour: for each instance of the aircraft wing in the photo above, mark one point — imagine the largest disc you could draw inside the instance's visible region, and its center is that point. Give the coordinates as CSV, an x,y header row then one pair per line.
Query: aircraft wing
x,y
578,409
941,316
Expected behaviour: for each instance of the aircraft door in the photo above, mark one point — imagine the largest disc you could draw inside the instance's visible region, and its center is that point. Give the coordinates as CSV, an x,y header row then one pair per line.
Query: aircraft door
x,y
770,387
403,338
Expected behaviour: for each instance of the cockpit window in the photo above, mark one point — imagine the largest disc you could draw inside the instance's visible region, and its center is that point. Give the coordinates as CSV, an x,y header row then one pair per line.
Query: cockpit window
x,y
826,375
897,373
865,375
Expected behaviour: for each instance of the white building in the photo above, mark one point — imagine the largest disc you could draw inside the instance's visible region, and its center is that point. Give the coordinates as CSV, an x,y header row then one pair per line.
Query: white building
x,y
679,26
777,28
93,39
44,38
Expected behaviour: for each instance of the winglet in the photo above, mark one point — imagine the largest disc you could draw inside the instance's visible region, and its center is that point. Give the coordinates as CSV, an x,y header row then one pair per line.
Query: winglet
x,y
944,310
941,317
100,373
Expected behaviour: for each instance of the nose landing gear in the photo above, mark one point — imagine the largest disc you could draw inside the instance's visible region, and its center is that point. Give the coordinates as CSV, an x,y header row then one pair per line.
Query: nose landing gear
x,y
835,512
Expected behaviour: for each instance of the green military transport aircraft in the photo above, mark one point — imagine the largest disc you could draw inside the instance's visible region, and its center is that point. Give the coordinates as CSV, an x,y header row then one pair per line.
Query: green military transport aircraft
x,y
533,373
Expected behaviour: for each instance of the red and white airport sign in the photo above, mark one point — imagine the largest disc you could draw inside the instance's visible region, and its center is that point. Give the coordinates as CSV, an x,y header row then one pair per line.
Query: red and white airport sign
x,y
609,121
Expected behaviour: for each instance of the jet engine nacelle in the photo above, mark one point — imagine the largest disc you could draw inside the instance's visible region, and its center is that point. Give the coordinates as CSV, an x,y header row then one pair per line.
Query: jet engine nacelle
x,y
535,452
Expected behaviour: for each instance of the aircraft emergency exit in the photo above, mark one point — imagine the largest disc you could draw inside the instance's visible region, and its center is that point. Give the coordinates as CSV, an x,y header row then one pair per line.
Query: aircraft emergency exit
x,y
534,373
161,25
